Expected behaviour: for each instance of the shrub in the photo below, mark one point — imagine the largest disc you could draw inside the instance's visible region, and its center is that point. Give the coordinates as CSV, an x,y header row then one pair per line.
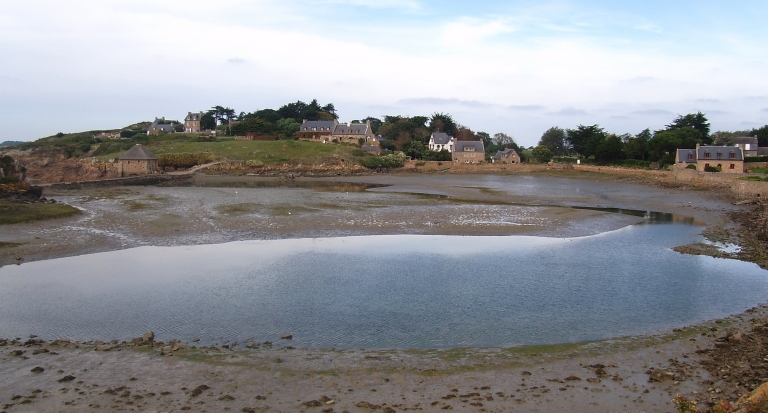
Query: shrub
x,y
389,161
184,159
713,169
358,152
691,166
254,163
420,163
756,159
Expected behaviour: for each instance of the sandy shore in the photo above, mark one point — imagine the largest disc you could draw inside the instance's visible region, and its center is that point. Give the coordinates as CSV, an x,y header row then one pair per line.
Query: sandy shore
x,y
606,376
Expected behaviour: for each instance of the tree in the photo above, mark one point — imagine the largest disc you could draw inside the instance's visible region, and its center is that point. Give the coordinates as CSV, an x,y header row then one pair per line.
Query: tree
x,y
251,125
636,147
554,139
696,121
542,154
375,123
610,149
485,137
463,133
207,121
762,135
665,143
502,139
288,127
585,139
443,122
414,149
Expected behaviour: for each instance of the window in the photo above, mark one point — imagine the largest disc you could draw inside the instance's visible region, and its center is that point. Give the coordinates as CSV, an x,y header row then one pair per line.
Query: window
x,y
706,155
719,155
733,156
690,156
732,167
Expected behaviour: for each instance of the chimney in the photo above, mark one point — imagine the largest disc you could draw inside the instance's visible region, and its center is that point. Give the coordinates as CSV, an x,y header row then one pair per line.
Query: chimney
x,y
697,147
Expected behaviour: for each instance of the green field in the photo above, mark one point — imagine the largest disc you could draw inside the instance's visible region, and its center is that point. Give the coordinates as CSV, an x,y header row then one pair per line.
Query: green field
x,y
268,152
12,212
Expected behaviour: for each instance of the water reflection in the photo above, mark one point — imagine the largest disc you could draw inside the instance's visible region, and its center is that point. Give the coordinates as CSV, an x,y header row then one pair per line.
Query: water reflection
x,y
650,217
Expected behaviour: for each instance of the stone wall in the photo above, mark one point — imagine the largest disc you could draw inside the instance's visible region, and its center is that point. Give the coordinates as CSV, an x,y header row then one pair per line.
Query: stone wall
x,y
136,167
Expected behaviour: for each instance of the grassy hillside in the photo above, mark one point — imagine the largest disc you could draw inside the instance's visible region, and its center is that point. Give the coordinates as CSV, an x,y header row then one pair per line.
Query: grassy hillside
x,y
268,152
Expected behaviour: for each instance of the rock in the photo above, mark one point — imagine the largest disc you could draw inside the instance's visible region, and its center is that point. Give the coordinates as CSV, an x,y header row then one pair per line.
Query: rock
x,y
40,351
149,336
37,370
659,375
105,347
167,350
66,378
573,378
328,410
312,403
526,373
593,380
736,337
324,399
367,405
16,353
391,410
248,410
226,398
286,337
199,390
600,372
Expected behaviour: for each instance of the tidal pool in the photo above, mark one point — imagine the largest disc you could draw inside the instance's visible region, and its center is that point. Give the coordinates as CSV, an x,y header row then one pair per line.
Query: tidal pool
x,y
384,291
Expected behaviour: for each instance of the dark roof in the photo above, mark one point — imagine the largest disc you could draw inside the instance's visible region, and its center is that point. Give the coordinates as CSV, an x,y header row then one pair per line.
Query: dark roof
x,y
723,151
319,125
138,152
165,127
194,116
742,140
350,129
441,138
507,152
461,146
682,155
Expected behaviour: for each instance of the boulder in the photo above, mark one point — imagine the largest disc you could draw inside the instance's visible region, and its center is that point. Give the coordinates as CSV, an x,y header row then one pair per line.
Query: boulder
x,y
660,375
149,336
286,337
37,369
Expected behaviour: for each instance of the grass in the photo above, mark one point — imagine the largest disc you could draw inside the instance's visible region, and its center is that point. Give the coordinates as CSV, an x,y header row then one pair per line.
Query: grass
x,y
268,152
13,212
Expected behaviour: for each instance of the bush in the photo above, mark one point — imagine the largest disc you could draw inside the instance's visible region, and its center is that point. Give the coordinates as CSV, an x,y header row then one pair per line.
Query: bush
x,y
713,169
691,166
184,159
358,152
633,162
420,163
756,159
389,161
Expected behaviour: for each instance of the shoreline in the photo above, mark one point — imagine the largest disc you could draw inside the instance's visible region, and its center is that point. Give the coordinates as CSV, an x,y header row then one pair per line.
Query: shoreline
x,y
533,378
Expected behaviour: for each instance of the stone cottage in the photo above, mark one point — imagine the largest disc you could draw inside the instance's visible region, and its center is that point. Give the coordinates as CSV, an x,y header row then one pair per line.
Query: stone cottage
x,y
137,161
468,152
192,122
508,155
730,159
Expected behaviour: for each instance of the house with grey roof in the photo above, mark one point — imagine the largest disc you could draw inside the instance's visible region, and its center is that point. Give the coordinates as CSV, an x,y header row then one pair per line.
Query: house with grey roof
x,y
353,132
137,161
161,126
317,130
192,122
468,152
748,145
440,141
508,155
729,159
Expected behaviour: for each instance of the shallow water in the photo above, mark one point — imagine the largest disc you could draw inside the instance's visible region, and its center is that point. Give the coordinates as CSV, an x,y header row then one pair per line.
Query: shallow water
x,y
386,291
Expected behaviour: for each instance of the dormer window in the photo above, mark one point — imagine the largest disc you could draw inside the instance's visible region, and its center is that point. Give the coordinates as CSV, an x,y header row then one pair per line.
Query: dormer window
x,y
706,155
733,156
690,156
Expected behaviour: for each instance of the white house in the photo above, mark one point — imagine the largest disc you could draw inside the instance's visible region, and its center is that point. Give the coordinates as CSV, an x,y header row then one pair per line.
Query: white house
x,y
439,141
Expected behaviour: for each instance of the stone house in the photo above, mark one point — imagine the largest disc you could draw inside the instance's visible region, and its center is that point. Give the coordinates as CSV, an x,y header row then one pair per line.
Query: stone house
x,y
353,132
730,159
748,145
160,126
317,130
192,122
508,155
441,141
468,152
136,161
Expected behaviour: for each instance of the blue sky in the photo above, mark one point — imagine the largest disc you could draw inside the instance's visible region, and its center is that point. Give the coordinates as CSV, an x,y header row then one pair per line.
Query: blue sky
x,y
513,67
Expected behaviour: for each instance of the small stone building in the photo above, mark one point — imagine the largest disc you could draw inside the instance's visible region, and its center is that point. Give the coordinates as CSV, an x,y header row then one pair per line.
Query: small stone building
x,y
353,132
730,159
468,152
508,155
317,130
137,161
192,122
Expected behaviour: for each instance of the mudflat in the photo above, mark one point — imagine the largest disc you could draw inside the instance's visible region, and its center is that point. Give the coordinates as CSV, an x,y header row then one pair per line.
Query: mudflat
x,y
625,374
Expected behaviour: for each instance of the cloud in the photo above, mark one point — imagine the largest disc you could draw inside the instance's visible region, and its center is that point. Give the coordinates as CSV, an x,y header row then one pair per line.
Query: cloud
x,y
569,111
622,117
525,107
707,100
236,61
652,112
764,110
376,4
469,31
441,101
640,79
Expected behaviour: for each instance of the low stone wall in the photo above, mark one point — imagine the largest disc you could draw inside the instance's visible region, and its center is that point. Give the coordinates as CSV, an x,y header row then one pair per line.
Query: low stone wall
x,y
142,180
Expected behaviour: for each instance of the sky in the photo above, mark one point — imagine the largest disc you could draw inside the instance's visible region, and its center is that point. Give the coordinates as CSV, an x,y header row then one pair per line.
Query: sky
x,y
517,67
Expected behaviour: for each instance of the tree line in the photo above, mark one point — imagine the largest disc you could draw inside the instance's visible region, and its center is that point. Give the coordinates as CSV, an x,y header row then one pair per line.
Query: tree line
x,y
593,142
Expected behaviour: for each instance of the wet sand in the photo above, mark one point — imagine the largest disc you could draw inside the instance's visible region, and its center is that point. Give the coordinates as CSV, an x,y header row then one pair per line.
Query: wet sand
x,y
545,379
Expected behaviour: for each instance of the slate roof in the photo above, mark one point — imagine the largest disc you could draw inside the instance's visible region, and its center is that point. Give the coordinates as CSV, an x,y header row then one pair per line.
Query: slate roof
x,y
504,152
441,138
682,155
461,146
194,116
138,152
743,140
351,129
723,152
319,125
